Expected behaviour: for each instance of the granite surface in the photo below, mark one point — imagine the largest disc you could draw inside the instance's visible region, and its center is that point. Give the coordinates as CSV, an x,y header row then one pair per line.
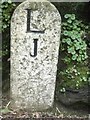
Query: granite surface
x,y
33,78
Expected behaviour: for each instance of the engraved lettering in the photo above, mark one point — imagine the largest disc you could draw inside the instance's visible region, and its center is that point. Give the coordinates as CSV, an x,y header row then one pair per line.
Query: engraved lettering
x,y
35,48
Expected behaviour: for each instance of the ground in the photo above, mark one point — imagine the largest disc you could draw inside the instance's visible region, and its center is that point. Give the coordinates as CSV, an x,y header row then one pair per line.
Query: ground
x,y
58,111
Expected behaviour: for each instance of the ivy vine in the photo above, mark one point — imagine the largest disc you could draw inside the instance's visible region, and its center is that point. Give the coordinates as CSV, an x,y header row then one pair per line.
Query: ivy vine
x,y
74,48
72,39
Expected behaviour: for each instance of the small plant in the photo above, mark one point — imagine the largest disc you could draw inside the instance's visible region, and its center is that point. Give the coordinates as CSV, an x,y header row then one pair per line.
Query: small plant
x,y
72,39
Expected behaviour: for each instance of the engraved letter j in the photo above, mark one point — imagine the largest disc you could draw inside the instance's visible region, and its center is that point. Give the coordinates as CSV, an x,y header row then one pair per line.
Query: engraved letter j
x,y
35,48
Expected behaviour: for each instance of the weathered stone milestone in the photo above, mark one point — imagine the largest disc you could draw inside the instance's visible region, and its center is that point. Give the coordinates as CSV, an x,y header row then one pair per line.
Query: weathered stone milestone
x,y
35,39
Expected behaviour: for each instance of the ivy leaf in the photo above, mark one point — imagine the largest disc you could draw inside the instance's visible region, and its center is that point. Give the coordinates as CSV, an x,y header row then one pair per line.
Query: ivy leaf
x,y
9,1
71,49
73,52
86,27
78,37
80,51
64,40
77,46
86,56
67,16
75,27
74,57
65,33
69,21
73,37
84,79
65,24
79,58
83,45
73,16
78,29
4,26
69,42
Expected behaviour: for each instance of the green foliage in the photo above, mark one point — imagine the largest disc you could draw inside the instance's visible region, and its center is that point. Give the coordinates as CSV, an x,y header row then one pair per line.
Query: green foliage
x,y
5,14
6,9
74,77
74,50
72,41
6,109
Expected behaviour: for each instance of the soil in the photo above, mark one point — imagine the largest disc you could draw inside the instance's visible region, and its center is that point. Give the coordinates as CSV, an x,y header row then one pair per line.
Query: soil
x,y
58,111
